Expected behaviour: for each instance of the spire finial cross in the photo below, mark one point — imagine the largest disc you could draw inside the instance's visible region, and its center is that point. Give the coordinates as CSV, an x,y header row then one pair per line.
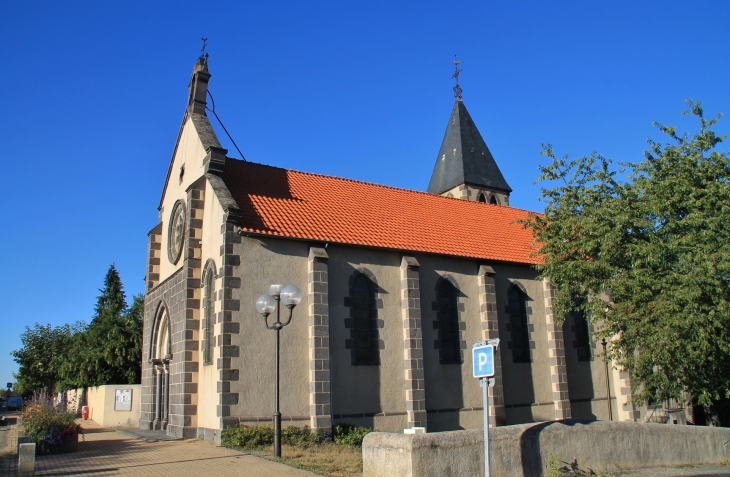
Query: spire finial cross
x,y
203,55
457,70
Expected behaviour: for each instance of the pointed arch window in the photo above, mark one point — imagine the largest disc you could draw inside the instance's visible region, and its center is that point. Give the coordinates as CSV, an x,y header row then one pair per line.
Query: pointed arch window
x,y
161,348
448,319
364,331
581,332
493,200
518,326
208,314
482,198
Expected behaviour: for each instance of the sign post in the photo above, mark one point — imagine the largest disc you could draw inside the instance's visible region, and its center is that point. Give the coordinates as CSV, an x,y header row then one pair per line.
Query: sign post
x,y
483,368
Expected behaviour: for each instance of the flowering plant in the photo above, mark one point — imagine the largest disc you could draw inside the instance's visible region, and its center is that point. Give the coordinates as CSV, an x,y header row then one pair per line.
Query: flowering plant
x,y
49,424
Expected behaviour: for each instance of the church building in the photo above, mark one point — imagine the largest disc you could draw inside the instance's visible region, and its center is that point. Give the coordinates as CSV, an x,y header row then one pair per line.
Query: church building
x,y
397,285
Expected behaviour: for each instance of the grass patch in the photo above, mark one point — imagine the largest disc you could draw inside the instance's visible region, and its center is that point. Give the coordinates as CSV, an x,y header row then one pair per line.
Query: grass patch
x,y
327,459
304,448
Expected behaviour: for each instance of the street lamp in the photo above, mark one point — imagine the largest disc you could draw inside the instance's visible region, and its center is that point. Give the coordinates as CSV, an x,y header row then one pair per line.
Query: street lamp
x,y
608,388
266,305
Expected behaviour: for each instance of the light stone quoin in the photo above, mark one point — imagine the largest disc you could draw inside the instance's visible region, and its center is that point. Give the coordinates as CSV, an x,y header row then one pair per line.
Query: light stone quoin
x,y
556,350
490,330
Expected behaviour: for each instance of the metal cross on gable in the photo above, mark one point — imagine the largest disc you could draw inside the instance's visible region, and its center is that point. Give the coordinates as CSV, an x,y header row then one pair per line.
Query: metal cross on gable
x,y
457,70
205,43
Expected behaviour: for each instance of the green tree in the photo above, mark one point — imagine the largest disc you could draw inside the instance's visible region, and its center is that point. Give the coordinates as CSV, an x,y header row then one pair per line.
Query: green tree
x,y
652,254
114,344
109,350
112,299
42,355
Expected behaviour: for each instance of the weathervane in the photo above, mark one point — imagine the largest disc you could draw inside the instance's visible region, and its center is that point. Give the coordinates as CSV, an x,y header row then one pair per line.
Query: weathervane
x,y
203,54
457,88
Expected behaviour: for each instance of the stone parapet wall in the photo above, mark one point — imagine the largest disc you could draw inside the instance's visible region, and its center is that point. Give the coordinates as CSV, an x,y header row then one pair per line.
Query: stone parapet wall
x,y
523,450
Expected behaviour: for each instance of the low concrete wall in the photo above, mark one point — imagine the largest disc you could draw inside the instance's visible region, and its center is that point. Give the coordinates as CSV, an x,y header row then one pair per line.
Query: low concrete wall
x,y
101,401
523,450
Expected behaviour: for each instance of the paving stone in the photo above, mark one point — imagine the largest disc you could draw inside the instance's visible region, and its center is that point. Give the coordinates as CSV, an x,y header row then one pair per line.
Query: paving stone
x,y
107,452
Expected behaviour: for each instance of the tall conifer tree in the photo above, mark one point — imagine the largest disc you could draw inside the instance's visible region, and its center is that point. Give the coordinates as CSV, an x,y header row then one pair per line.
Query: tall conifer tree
x,y
112,299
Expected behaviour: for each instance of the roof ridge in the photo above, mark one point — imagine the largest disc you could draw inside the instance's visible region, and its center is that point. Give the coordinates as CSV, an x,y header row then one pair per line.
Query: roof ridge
x,y
380,185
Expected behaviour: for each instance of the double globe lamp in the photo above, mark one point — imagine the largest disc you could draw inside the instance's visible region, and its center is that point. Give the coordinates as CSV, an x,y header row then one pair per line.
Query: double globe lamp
x,y
290,296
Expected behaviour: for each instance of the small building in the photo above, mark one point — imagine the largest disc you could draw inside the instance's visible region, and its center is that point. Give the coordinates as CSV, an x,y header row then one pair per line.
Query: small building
x,y
397,284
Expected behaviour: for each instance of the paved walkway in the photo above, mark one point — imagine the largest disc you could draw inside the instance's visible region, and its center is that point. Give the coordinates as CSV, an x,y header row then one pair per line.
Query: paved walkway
x,y
106,452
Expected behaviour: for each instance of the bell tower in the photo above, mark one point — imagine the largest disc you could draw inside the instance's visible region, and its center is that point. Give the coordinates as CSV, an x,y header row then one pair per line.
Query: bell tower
x,y
465,168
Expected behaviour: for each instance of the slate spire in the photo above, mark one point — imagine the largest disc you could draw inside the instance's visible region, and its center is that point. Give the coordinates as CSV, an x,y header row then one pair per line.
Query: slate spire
x,y
464,158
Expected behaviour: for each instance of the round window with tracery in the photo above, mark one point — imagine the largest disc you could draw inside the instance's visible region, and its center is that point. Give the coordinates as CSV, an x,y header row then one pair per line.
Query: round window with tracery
x,y
176,232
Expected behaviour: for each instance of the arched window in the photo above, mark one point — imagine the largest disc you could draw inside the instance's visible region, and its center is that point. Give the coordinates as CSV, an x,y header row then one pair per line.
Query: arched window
x,y
581,331
482,198
519,333
208,320
160,343
448,318
493,200
364,332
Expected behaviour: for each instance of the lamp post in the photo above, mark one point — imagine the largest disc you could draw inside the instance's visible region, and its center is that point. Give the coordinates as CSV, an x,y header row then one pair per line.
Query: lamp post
x,y
608,387
266,305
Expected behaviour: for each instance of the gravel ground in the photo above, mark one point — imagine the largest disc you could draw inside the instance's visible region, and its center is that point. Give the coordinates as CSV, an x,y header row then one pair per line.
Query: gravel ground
x,y
676,471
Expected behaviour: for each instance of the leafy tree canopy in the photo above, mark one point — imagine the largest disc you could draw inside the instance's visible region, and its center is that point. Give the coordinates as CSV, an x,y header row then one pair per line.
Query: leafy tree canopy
x,y
42,355
652,254
107,351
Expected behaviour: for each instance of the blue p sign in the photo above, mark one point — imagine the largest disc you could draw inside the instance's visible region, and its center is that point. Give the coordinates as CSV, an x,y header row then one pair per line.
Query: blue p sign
x,y
483,361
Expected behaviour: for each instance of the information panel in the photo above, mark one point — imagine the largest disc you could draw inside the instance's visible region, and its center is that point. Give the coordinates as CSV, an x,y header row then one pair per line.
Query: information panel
x,y
122,399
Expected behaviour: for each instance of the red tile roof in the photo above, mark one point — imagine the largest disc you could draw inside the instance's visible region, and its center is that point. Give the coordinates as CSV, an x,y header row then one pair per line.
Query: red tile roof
x,y
301,205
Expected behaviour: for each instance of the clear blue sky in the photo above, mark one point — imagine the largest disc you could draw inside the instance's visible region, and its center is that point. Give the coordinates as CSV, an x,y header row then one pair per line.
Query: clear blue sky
x,y
93,94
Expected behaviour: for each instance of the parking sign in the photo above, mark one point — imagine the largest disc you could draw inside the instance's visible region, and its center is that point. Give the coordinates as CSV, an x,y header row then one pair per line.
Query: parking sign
x,y
483,361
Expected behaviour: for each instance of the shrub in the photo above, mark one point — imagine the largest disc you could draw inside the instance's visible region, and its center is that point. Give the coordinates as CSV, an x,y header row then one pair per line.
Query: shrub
x,y
48,424
250,437
349,435
247,436
293,436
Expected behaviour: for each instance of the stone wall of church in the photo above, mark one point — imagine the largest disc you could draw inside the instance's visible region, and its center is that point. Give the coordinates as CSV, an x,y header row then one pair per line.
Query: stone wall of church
x,y
403,380
527,382
453,396
587,369
168,297
261,262
366,393
374,393
186,168
179,295
211,258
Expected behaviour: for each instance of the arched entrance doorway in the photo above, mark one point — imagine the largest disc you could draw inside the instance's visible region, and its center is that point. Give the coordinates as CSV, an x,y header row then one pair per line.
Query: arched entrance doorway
x,y
161,353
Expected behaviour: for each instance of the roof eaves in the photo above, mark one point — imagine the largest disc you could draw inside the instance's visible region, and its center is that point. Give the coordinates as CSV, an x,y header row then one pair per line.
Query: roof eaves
x,y
245,232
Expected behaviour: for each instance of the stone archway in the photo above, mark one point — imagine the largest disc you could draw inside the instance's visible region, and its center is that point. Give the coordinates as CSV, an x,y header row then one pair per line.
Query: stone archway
x,y
161,353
